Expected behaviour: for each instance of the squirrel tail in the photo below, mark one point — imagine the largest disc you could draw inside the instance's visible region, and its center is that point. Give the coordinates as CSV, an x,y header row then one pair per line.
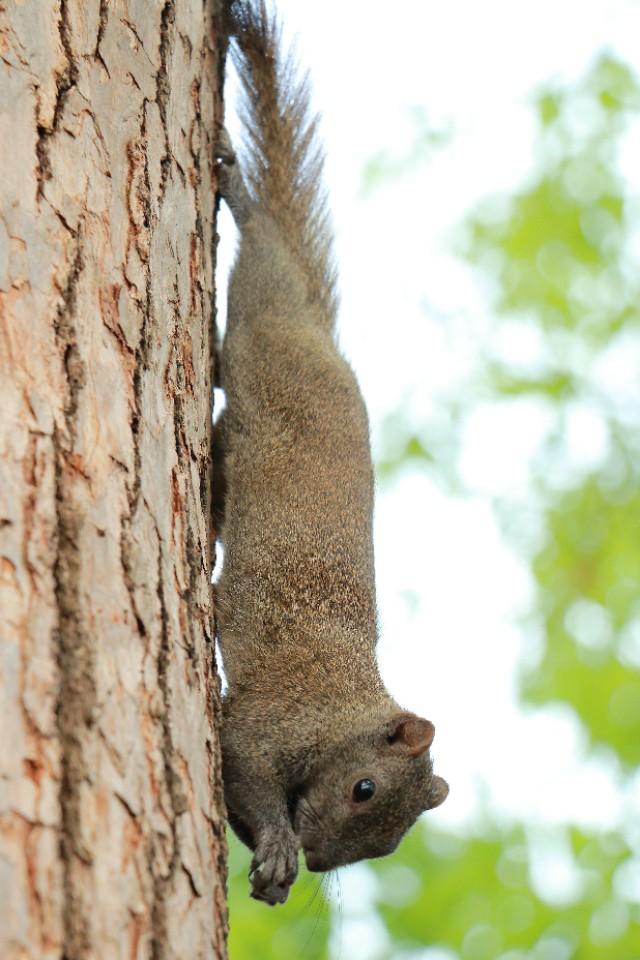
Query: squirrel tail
x,y
282,158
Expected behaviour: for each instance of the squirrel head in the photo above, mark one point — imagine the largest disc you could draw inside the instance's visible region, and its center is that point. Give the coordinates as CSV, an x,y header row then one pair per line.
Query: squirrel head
x,y
367,793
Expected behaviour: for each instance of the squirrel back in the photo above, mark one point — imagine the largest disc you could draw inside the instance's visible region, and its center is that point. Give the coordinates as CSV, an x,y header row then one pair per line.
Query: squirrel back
x,y
316,753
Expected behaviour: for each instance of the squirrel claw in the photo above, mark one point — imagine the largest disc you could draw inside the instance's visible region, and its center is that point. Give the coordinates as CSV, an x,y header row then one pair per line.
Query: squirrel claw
x,y
274,867
272,895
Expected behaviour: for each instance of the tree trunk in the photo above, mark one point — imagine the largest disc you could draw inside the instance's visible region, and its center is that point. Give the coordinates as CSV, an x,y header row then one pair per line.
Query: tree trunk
x,y
111,814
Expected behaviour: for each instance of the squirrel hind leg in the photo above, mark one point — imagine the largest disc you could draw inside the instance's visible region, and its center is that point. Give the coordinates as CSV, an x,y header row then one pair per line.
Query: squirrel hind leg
x,y
231,185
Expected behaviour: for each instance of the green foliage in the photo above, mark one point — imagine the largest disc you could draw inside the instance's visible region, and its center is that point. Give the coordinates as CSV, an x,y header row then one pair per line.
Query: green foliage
x,y
385,166
588,572
559,254
557,248
475,895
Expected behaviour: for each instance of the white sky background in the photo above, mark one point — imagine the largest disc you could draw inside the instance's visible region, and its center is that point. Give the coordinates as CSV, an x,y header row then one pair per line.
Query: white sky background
x,y
472,66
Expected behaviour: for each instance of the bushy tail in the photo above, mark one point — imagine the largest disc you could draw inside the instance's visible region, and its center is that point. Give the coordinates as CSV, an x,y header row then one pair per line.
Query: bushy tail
x,y
282,158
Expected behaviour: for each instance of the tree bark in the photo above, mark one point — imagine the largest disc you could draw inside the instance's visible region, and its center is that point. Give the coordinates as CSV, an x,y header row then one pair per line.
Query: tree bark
x,y
111,812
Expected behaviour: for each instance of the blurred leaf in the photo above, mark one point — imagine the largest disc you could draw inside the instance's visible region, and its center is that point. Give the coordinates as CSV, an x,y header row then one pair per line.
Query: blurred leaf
x,y
592,551
475,896
555,385
387,165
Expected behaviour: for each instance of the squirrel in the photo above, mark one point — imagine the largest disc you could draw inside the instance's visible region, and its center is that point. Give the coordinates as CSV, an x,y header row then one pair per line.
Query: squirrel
x,y
317,756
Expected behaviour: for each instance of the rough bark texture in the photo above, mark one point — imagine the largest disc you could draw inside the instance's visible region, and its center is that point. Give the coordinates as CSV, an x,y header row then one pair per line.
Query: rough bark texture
x,y
111,815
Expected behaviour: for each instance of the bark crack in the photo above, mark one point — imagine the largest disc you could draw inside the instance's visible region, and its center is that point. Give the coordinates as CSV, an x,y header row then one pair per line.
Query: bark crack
x,y
183,456
163,87
102,26
64,83
162,884
65,332
75,654
143,196
76,702
130,26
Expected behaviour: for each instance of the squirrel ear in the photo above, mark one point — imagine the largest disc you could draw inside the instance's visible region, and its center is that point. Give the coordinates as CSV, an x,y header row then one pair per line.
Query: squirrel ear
x,y
413,734
438,792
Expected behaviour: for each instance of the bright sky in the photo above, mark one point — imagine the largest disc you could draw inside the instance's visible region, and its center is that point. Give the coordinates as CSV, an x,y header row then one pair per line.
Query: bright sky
x,y
451,656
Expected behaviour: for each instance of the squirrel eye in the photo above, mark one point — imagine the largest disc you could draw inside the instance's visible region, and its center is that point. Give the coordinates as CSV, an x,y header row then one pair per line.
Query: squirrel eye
x,y
363,790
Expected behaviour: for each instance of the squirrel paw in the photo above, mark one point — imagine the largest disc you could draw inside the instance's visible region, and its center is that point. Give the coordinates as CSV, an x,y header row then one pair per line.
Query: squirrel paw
x,y
274,867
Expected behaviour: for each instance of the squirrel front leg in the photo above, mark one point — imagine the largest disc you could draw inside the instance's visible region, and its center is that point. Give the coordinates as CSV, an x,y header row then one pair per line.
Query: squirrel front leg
x,y
258,813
